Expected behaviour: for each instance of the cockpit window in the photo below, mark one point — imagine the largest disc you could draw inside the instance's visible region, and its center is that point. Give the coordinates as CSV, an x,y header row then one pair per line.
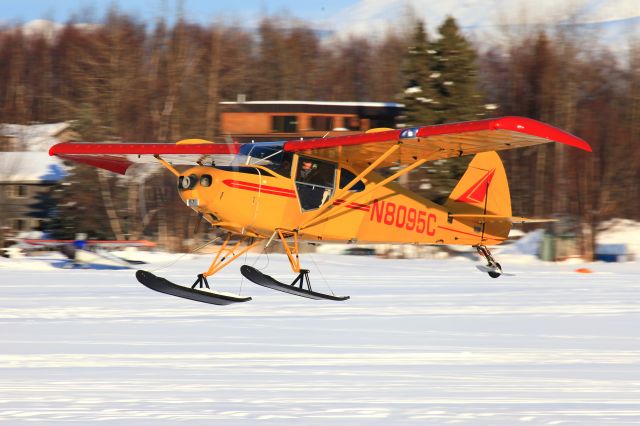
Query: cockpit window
x,y
268,154
346,177
314,182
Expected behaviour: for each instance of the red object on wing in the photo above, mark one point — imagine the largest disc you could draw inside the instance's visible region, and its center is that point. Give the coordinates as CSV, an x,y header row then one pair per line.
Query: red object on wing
x,y
516,124
118,157
298,145
89,148
111,163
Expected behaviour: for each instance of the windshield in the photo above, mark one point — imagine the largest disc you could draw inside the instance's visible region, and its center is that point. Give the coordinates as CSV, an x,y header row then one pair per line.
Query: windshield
x,y
268,154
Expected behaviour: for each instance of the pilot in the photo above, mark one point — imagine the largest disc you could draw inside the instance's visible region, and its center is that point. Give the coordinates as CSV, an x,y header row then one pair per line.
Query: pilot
x,y
308,171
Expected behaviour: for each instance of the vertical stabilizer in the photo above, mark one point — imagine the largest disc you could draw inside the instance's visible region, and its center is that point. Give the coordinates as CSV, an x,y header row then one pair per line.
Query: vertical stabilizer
x,y
483,190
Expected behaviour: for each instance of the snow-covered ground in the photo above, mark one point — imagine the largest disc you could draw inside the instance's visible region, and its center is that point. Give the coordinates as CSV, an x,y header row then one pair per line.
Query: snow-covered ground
x,y
420,342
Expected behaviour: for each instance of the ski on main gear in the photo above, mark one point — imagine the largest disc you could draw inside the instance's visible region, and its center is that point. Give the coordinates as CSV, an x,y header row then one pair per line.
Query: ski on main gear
x,y
295,288
163,285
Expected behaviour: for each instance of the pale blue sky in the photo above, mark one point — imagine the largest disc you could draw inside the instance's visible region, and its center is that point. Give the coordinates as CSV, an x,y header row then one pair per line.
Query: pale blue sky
x,y
483,19
12,11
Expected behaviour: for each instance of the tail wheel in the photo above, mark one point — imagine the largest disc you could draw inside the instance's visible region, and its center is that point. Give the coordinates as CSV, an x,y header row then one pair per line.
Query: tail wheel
x,y
496,274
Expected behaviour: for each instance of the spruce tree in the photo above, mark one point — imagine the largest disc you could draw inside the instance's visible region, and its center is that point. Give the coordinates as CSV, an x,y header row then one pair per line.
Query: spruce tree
x,y
418,95
446,75
455,76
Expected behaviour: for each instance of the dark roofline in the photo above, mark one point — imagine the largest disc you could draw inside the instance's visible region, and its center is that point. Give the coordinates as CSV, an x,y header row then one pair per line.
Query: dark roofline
x,y
362,109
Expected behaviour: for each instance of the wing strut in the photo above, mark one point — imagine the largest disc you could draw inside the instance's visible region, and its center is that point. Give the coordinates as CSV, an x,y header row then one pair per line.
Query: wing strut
x,y
314,221
355,180
167,165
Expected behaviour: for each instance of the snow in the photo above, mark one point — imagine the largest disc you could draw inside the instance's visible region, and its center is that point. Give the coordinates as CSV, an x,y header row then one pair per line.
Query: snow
x,y
49,30
34,137
30,167
41,27
419,342
620,232
489,21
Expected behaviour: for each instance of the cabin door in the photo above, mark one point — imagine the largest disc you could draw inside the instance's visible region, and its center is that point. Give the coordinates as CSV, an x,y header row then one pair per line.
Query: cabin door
x,y
315,182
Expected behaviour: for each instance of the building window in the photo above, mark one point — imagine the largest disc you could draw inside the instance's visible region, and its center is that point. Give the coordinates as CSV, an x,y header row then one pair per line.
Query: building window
x,y
20,224
352,123
284,123
17,191
383,122
319,122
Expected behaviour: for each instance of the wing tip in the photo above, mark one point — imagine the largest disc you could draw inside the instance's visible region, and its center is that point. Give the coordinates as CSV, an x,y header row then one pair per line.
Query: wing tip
x,y
540,129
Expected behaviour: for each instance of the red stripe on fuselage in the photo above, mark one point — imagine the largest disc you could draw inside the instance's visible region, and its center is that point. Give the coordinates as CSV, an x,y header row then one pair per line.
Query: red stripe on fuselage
x,y
249,186
355,206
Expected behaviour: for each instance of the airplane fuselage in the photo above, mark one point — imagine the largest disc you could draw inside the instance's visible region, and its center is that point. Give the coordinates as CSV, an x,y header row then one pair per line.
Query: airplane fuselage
x,y
254,200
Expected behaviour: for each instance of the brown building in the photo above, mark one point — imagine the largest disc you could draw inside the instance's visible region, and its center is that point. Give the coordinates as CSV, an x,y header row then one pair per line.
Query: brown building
x,y
278,120
26,178
28,174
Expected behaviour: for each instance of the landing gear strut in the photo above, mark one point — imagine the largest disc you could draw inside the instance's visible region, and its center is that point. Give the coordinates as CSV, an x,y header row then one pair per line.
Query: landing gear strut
x,y
492,267
201,281
201,291
297,287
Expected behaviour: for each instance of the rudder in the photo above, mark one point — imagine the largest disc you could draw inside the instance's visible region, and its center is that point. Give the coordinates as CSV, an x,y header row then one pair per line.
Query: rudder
x,y
483,190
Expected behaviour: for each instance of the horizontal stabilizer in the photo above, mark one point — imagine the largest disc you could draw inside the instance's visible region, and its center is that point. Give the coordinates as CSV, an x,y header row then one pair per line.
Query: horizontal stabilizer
x,y
492,218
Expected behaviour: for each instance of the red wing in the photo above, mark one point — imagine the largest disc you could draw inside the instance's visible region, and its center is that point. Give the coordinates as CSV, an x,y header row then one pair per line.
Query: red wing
x,y
118,157
437,142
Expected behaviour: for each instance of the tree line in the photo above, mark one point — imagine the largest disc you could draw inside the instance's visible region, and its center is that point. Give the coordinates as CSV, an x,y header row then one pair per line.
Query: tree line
x,y
127,80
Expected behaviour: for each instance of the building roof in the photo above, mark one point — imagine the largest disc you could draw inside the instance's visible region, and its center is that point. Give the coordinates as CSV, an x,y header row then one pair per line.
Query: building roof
x,y
30,167
363,109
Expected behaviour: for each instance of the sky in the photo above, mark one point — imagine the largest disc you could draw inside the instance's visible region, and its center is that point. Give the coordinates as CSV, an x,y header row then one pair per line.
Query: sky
x,y
347,16
198,10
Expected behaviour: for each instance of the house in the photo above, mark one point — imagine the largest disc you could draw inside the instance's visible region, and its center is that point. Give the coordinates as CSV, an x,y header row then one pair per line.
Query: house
x,y
277,120
28,173
34,137
26,179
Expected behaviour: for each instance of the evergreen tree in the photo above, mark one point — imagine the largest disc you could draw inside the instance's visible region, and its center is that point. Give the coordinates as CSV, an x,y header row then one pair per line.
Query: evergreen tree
x,y
418,95
455,76
78,207
442,87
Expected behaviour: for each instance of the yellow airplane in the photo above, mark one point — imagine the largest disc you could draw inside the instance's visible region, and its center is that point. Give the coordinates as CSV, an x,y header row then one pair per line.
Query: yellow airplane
x,y
327,190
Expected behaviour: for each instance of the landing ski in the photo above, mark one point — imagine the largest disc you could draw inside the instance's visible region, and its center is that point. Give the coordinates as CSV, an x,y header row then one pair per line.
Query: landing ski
x,y
252,274
163,285
497,272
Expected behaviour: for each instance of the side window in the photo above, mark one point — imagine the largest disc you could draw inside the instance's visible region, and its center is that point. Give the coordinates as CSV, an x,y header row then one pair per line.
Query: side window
x,y
271,156
315,172
314,182
346,176
281,163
